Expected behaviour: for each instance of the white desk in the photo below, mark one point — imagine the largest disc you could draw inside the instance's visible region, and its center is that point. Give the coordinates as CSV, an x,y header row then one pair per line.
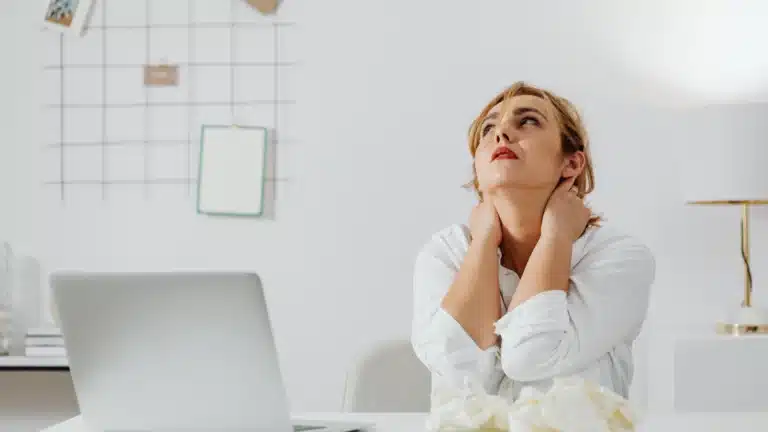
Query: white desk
x,y
397,422
386,422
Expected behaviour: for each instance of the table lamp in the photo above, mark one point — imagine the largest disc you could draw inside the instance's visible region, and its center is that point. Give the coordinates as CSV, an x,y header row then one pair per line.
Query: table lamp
x,y
727,164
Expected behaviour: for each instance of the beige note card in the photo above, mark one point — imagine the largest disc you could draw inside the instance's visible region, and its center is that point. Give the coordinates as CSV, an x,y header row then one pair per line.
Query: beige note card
x,y
264,6
161,75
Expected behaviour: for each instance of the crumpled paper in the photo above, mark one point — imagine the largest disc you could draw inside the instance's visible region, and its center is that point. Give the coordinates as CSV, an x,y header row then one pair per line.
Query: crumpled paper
x,y
468,408
570,405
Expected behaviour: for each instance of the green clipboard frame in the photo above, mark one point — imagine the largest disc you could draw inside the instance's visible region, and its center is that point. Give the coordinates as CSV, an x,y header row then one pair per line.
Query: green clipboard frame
x,y
200,170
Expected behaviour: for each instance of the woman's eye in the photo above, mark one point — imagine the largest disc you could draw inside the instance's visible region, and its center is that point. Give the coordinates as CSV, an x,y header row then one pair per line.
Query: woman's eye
x,y
529,120
487,128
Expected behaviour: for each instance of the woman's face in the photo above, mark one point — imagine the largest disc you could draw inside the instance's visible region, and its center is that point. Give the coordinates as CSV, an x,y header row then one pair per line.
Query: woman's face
x,y
520,146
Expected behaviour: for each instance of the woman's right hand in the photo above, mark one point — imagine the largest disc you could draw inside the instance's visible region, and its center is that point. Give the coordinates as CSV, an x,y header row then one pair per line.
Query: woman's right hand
x,y
484,223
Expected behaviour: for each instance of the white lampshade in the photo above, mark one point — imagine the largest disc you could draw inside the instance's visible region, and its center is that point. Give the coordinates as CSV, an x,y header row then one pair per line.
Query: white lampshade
x,y
726,158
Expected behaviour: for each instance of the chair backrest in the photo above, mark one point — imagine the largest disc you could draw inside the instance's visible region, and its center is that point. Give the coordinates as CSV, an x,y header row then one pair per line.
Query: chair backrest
x,y
390,378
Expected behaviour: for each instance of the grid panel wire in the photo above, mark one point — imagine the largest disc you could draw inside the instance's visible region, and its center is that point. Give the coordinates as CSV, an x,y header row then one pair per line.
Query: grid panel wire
x,y
187,71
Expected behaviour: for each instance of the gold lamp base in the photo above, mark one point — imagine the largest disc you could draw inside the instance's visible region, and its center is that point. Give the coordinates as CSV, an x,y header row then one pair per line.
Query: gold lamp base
x,y
746,320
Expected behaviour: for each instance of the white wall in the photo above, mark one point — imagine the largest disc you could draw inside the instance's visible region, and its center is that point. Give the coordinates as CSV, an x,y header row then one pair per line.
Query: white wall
x,y
6,114
380,157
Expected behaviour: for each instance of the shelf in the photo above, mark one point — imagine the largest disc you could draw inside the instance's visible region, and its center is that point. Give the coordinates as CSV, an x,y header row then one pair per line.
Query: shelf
x,y
33,363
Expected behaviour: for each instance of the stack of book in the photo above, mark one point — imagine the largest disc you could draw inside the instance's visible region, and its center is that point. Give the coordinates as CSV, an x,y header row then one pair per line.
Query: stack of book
x,y
44,342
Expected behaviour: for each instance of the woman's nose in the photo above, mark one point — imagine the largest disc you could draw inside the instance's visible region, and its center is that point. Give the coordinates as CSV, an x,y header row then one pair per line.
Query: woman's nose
x,y
501,136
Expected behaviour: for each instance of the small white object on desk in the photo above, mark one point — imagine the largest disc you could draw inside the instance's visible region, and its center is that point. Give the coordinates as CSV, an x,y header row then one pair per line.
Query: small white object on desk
x,y
44,342
47,331
45,351
22,362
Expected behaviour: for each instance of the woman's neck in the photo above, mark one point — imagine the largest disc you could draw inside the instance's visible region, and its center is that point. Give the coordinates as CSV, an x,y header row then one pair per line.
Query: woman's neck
x,y
520,213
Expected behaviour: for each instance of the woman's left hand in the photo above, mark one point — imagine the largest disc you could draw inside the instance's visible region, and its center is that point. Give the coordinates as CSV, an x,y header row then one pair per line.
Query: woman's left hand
x,y
565,216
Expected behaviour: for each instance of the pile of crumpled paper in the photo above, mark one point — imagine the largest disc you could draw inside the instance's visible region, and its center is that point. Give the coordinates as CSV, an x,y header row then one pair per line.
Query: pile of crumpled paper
x,y
570,405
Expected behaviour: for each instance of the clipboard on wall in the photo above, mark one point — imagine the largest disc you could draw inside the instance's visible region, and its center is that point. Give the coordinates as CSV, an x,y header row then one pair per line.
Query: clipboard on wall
x,y
231,171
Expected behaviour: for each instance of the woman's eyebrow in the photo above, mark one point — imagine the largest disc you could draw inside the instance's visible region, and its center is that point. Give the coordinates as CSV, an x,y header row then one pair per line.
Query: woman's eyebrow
x,y
523,110
490,116
517,112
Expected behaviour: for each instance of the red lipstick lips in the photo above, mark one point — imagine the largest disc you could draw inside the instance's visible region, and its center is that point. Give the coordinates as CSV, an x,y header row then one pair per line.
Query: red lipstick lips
x,y
503,152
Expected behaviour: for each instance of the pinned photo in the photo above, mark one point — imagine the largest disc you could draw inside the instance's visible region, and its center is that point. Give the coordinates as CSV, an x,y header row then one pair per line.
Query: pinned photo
x,y
69,16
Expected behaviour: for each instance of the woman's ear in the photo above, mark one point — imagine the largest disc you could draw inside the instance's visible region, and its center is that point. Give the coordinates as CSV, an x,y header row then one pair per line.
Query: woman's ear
x,y
574,164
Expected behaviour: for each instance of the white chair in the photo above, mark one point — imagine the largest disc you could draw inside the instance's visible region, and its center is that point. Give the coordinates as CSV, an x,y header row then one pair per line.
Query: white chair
x,y
389,379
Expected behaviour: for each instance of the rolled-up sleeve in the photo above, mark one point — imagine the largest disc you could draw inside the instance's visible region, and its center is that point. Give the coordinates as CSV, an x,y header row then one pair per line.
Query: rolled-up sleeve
x,y
439,341
557,333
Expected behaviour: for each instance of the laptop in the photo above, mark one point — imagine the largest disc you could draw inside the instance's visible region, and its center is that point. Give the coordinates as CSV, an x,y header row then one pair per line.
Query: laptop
x,y
178,351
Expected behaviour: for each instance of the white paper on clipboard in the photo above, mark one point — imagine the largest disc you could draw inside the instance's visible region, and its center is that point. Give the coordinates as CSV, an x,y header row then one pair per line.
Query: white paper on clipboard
x,y
231,170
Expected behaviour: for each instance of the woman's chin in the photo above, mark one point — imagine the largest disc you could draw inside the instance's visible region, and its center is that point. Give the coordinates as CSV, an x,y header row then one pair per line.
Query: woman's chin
x,y
513,186
506,181
502,189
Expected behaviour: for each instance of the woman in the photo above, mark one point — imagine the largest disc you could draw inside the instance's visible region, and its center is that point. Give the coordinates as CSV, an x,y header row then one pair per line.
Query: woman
x,y
535,287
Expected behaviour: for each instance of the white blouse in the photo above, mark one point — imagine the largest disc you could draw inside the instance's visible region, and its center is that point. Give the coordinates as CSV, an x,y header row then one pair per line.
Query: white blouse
x,y
588,331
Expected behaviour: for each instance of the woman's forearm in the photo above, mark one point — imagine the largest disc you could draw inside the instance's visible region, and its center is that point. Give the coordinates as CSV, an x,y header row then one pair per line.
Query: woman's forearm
x,y
473,298
548,268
